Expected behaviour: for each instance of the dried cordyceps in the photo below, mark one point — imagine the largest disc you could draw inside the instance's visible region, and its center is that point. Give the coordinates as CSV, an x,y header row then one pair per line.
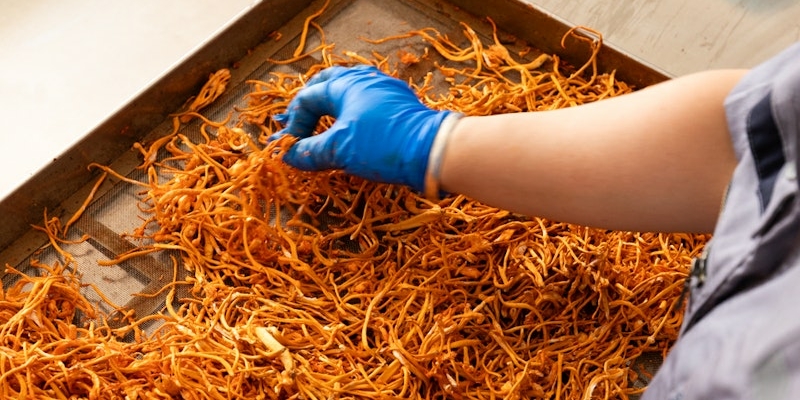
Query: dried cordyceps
x,y
323,285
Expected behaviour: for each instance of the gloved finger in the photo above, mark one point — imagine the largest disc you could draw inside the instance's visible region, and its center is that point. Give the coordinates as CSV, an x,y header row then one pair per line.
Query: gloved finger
x,y
315,153
338,71
307,107
277,135
283,118
314,101
327,74
280,118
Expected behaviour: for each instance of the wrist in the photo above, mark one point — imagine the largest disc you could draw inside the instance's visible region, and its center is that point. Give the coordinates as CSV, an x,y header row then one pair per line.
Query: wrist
x,y
432,180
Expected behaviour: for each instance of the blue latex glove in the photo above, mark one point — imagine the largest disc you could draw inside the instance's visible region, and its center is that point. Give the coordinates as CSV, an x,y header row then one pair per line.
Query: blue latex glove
x,y
382,131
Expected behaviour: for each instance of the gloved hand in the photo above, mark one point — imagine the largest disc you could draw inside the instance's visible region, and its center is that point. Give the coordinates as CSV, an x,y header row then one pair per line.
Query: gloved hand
x,y
382,131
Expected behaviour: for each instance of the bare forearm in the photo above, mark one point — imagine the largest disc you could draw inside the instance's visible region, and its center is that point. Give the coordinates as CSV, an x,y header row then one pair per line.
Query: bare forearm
x,y
654,160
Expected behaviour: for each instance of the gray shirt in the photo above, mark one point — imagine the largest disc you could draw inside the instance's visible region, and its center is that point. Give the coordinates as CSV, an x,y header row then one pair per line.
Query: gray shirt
x,y
741,333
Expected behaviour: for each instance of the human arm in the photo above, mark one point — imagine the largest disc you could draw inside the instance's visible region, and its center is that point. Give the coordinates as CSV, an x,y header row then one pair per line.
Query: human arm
x,y
657,159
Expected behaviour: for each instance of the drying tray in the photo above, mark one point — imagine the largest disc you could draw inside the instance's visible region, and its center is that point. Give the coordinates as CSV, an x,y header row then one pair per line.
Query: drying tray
x,y
269,30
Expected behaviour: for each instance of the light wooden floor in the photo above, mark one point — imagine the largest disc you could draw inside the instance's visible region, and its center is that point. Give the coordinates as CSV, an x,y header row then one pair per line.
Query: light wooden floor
x,y
683,36
67,66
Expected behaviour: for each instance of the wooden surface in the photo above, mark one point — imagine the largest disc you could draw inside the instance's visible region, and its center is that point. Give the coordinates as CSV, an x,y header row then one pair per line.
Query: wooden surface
x,y
683,36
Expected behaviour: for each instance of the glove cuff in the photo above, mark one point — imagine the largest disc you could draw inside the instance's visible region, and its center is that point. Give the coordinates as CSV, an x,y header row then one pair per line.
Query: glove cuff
x,y
438,147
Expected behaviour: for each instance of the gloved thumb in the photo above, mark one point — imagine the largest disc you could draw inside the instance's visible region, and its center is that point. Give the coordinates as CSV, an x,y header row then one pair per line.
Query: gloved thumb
x,y
305,110
315,153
